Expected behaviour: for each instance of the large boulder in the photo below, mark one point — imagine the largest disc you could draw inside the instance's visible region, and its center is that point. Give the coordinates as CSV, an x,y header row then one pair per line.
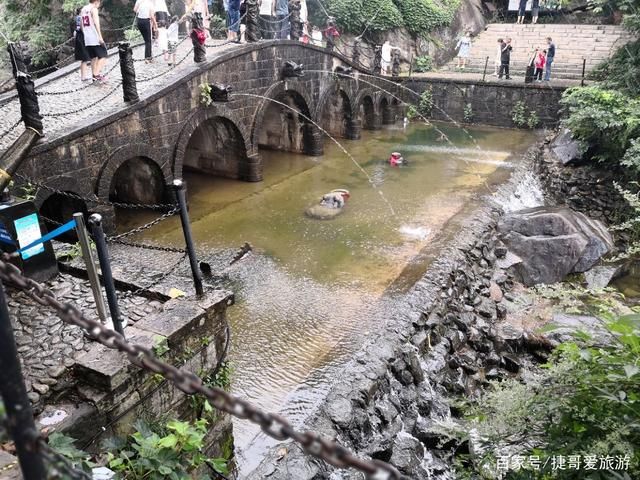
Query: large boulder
x,y
553,242
567,149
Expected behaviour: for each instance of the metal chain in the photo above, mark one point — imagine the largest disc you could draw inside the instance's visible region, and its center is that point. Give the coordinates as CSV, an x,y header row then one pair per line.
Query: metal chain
x,y
161,53
11,128
81,87
153,77
162,278
144,227
132,206
147,246
189,383
62,468
86,107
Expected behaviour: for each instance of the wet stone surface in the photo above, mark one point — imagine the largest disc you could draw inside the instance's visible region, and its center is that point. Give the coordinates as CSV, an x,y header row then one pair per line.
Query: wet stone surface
x,y
47,346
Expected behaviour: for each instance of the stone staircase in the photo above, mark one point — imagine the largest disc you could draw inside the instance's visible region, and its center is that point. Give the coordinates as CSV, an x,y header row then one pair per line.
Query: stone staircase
x,y
574,43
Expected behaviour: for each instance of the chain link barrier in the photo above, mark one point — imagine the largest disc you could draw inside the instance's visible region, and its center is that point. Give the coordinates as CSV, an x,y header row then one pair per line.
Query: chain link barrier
x,y
273,425
81,87
96,201
144,227
158,281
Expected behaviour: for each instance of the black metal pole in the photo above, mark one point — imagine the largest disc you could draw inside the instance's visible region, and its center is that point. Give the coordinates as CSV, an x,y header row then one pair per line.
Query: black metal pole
x,y
14,395
484,74
584,69
188,238
95,222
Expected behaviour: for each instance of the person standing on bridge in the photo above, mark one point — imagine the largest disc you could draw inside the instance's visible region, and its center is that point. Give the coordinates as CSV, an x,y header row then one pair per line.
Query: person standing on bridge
x,y
80,51
234,21
146,22
282,14
93,40
464,49
265,15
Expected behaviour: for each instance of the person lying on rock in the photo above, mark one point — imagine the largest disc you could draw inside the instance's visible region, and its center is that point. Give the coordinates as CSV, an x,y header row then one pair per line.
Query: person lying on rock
x,y
335,198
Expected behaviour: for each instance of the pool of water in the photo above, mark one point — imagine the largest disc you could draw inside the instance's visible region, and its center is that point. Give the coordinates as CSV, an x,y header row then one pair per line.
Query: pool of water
x,y
312,290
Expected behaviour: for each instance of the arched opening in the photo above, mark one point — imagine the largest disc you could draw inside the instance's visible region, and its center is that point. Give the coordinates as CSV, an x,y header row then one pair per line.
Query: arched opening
x,y
58,209
216,147
137,180
386,112
336,115
285,125
367,113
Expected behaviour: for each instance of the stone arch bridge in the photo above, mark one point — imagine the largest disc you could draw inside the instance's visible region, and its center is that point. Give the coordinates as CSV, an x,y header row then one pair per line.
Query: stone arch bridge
x,y
131,152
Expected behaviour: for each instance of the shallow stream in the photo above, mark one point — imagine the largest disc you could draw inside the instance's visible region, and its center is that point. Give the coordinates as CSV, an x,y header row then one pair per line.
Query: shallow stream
x,y
312,290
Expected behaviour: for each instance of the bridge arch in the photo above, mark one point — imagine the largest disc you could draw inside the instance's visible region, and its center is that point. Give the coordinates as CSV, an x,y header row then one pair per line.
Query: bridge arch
x,y
215,141
134,173
366,108
336,111
66,196
277,126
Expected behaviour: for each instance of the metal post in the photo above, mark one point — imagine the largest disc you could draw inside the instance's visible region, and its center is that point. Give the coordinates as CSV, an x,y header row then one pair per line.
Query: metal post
x,y
188,238
584,69
90,263
95,222
484,74
14,395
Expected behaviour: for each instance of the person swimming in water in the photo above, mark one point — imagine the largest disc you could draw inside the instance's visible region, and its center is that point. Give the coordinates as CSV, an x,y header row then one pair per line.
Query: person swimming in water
x,y
335,198
396,159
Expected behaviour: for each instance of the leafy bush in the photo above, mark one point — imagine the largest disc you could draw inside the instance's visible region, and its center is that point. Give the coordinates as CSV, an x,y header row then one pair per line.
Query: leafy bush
x,y
424,64
607,120
381,15
585,402
468,113
534,120
519,114
425,105
423,16
419,16
172,454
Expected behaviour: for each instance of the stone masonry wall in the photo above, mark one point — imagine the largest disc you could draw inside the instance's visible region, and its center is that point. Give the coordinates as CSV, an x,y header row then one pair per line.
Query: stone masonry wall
x,y
491,104
584,188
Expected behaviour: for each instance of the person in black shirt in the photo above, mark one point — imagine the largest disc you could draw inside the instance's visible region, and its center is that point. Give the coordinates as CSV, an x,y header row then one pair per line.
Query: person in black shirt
x,y
522,10
535,10
551,53
505,59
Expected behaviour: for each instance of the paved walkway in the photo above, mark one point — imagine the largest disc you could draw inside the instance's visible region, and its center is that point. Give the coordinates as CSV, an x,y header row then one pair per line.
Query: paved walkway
x,y
66,103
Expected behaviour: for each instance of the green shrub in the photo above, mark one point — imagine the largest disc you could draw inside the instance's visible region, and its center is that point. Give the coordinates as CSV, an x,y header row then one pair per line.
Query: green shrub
x,y
423,16
381,15
425,105
468,113
519,114
175,453
584,402
424,64
607,120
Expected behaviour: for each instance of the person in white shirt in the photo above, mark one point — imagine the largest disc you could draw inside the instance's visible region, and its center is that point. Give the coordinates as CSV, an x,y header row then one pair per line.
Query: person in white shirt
x,y
93,40
266,14
304,16
386,57
146,22
172,41
162,22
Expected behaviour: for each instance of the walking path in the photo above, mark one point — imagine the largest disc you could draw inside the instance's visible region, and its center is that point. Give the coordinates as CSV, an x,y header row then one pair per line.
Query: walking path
x,y
66,103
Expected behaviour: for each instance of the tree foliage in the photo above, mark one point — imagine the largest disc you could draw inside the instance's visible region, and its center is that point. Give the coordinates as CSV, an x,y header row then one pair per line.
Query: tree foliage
x,y
607,120
419,16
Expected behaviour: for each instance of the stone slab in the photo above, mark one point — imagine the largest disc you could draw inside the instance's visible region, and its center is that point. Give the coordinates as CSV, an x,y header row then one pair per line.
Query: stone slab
x,y
108,369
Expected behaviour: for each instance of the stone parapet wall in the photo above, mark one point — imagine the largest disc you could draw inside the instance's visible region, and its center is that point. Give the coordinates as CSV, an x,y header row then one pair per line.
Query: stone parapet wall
x,y
491,103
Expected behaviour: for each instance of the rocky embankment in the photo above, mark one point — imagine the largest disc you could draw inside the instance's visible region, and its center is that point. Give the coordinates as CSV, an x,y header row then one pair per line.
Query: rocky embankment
x,y
464,332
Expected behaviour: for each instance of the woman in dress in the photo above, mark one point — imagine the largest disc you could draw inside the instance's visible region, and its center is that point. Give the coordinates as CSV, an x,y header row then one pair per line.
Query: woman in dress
x,y
162,22
464,49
